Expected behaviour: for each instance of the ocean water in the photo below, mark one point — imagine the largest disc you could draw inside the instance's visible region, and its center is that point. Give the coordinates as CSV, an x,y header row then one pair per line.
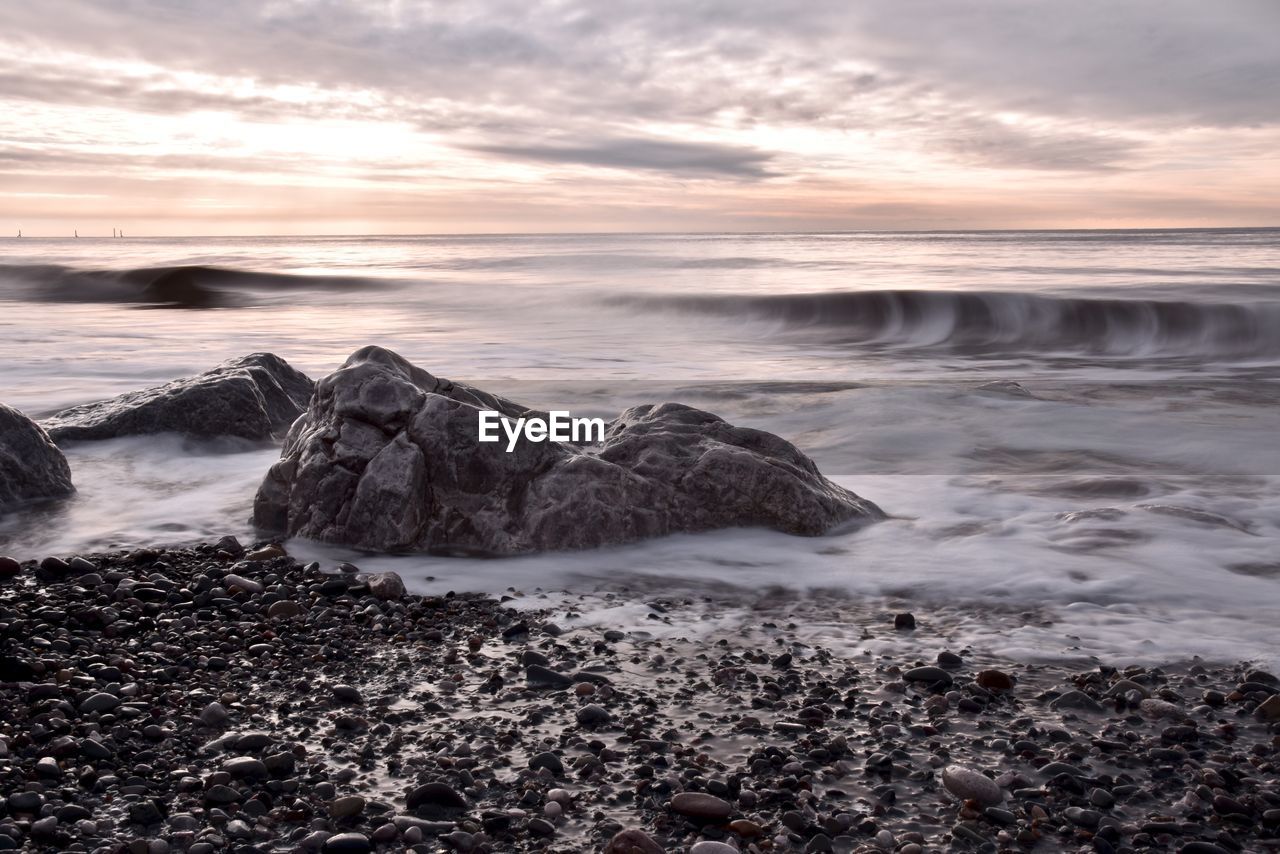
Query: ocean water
x,y
1126,489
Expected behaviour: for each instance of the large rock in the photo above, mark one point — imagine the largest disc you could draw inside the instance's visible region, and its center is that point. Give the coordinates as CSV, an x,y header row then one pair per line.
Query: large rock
x,y
31,467
253,397
387,458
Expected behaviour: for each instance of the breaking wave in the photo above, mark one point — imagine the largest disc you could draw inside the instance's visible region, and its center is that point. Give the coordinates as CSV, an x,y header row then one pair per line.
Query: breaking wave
x,y
184,286
989,322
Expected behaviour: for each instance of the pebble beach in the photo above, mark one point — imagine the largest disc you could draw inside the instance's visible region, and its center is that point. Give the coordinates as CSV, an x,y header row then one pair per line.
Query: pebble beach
x,y
224,698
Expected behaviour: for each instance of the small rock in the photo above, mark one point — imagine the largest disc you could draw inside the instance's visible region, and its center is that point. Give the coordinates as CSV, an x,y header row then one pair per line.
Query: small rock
x,y
544,677
904,621
221,794
248,585
9,567
246,767
348,842
633,842
541,826
702,806
1080,817
970,785
710,846
214,714
387,585
347,806
284,609
1159,709
949,660
435,797
25,802
268,552
931,675
230,545
346,694
593,715
1269,709
994,680
101,702
1076,701
45,827
547,760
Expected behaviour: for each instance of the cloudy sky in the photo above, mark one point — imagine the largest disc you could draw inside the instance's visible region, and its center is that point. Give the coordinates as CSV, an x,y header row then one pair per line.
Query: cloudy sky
x,y
382,116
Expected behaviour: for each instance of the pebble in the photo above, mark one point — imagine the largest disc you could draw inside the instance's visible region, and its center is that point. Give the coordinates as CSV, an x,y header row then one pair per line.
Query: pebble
x,y
435,797
348,842
633,842
593,716
547,760
929,674
1159,709
1076,701
284,609
994,680
387,586
347,806
245,767
346,694
709,846
702,806
100,702
1268,709
231,580
970,785
904,621
214,714
541,826
267,552
544,677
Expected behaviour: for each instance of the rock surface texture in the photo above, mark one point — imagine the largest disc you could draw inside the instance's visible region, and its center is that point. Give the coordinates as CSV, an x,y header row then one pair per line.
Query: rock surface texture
x,y
387,458
254,397
31,467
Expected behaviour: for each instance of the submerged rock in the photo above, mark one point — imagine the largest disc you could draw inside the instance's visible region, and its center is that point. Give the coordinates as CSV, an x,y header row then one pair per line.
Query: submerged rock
x,y
31,466
387,458
254,397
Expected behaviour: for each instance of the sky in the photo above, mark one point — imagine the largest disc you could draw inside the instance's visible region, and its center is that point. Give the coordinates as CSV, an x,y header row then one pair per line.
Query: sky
x,y
390,116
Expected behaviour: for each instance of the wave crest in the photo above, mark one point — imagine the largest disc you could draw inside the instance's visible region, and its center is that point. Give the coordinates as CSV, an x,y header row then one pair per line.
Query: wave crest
x,y
180,286
1002,322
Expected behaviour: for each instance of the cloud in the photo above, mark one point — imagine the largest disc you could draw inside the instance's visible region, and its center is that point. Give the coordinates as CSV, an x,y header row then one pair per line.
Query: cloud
x,y
678,159
887,96
986,142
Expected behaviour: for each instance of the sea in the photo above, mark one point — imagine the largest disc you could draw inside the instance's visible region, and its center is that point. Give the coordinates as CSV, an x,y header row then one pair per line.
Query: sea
x,y
1075,434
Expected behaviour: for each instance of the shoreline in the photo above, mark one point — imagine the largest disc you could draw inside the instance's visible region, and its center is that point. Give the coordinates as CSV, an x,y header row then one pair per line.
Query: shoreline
x,y
195,699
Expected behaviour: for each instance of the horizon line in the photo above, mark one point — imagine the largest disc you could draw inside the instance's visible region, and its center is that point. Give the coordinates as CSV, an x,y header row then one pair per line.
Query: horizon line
x,y
473,234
